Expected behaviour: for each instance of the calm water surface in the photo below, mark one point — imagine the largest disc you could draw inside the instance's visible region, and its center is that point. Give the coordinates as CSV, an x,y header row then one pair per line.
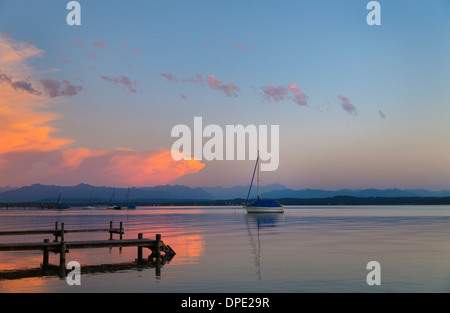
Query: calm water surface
x,y
223,249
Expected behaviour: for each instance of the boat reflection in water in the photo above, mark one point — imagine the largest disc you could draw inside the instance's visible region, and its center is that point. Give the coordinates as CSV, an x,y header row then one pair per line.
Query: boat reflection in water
x,y
257,223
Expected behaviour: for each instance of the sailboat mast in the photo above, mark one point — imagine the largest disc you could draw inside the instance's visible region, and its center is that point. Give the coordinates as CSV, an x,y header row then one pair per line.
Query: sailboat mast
x,y
257,177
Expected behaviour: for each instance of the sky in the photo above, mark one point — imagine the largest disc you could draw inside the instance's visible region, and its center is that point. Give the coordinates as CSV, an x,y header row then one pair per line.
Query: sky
x,y
358,106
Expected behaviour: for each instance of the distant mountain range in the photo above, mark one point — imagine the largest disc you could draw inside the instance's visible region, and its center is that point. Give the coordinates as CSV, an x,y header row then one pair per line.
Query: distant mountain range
x,y
82,193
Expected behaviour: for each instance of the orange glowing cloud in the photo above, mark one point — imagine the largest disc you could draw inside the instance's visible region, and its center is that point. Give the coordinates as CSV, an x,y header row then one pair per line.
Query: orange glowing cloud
x,y
23,115
142,168
30,153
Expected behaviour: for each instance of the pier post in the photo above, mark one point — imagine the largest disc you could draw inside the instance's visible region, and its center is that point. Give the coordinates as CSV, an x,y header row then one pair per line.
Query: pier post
x,y
62,259
158,245
139,256
62,231
45,258
56,232
120,231
110,230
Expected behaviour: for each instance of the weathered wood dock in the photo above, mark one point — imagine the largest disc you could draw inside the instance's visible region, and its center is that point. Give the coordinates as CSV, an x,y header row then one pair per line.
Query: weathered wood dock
x,y
63,247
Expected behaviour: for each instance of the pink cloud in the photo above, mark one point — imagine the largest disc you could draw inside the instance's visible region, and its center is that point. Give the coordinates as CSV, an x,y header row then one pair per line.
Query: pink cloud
x,y
120,167
169,77
79,42
274,93
271,93
299,97
53,88
92,56
63,61
7,35
182,96
100,44
240,47
137,50
230,90
124,81
347,105
197,79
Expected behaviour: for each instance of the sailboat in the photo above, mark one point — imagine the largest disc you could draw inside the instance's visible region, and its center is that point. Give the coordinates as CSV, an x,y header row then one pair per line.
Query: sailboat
x,y
127,205
113,207
261,205
89,207
60,206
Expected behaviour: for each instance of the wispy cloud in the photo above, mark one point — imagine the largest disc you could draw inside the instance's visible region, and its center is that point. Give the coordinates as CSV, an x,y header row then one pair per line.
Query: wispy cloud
x,y
382,114
347,105
169,77
123,80
30,153
279,93
197,79
230,89
100,44
274,93
299,97
79,42
24,123
53,88
182,96
240,47
22,85
63,61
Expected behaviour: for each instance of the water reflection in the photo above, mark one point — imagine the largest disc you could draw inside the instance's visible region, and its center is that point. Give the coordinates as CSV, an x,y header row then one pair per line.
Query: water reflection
x,y
255,223
153,262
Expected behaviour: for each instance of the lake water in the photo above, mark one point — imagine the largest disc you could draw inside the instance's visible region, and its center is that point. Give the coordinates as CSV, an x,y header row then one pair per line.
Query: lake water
x,y
223,249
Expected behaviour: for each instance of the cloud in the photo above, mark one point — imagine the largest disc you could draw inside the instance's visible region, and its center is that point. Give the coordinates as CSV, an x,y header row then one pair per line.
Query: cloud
x,y
22,85
53,88
197,79
169,77
240,47
230,89
124,81
92,56
182,96
79,42
382,114
347,105
120,167
13,56
100,44
274,93
24,115
29,152
279,93
299,97
63,61
138,51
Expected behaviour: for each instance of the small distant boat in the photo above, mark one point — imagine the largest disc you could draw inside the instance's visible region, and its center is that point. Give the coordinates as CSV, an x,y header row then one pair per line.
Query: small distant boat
x,y
122,207
127,205
113,207
261,205
90,207
60,206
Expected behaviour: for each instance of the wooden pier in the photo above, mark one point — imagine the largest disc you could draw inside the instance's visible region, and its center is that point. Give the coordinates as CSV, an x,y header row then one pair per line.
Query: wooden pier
x,y
63,247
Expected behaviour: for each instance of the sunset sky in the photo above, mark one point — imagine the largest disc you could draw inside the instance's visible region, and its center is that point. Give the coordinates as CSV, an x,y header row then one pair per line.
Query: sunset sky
x,y
358,106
